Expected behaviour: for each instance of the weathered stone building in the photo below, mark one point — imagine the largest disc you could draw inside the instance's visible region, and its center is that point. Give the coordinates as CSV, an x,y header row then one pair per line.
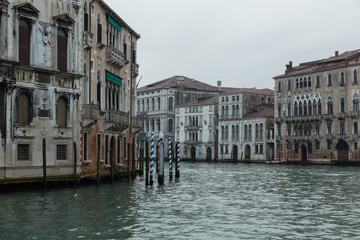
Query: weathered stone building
x,y
40,71
156,102
109,121
243,112
317,109
196,128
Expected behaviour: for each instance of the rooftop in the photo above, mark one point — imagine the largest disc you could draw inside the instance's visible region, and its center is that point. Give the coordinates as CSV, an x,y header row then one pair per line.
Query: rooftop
x,y
263,110
202,101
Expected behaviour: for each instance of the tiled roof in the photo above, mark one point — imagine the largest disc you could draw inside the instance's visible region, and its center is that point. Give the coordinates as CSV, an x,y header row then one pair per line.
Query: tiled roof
x,y
188,84
263,110
341,60
202,101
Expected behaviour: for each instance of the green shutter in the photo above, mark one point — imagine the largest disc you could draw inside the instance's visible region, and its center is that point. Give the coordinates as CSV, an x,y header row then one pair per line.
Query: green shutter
x,y
113,78
113,22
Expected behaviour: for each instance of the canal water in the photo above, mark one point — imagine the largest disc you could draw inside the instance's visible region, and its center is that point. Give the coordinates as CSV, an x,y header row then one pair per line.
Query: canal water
x,y
210,201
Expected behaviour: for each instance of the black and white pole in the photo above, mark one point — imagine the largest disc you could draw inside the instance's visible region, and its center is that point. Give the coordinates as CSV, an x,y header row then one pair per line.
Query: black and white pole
x,y
161,159
170,160
177,174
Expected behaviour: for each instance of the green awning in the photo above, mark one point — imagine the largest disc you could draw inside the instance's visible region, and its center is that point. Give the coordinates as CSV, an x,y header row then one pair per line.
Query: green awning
x,y
113,78
113,22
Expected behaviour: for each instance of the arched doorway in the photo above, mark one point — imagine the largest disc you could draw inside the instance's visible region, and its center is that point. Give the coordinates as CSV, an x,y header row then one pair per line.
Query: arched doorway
x,y
303,153
193,153
343,150
247,152
208,153
235,152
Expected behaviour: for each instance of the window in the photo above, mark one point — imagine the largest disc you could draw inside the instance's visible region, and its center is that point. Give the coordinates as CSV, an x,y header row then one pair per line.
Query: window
x,y
300,109
99,30
317,81
85,142
279,110
342,128
153,104
295,109
355,146
319,106
261,149
317,145
309,82
342,105
171,106
355,103
24,110
125,147
289,85
98,90
86,18
355,77
158,103
256,149
61,112
24,42
309,108
314,107
226,133
250,133
279,86
297,83
125,47
171,125
62,50
329,106
342,79
356,130
329,129
329,79
329,145
23,152
61,152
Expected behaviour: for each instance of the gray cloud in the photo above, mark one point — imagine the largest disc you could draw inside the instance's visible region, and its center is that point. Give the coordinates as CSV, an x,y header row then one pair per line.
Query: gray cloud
x,y
243,43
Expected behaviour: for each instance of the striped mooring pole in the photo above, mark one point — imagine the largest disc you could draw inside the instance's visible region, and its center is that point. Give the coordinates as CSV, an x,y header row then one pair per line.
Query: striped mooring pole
x,y
177,174
152,159
170,160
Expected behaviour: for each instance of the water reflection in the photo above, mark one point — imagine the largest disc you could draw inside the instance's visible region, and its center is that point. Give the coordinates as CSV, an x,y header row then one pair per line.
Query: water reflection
x,y
211,201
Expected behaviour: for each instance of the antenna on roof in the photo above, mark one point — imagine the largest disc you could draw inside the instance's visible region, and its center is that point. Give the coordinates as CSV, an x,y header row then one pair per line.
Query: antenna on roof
x,y
139,81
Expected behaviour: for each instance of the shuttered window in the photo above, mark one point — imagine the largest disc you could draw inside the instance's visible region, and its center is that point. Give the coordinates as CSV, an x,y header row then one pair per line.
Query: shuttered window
x,y
24,109
24,43
62,51
61,113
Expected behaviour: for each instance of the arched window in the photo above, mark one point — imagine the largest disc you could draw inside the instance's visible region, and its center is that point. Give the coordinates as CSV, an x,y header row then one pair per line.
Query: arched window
x,y
309,82
305,83
245,132
301,83
61,112
342,105
237,132
24,110
295,109
233,133
223,111
261,131
356,129
86,86
317,81
171,125
305,108
147,105
159,101
62,50
329,79
226,133
297,83
233,110
138,106
222,133
289,109
342,128
98,89
319,106
256,130
171,104
279,86
86,17
314,107
329,106
250,132
355,77
24,42
153,104
355,103
99,30
342,78
124,47
300,109
237,110
279,110
309,108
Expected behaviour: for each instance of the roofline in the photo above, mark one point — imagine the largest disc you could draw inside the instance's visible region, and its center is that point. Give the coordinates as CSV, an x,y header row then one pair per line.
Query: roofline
x,y
117,17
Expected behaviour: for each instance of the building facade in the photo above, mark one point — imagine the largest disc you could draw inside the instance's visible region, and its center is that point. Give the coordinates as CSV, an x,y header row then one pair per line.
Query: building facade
x,y
317,109
40,71
156,102
109,121
243,112
196,128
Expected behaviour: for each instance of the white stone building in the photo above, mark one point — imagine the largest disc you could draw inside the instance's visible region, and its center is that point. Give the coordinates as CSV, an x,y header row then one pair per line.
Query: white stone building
x,y
40,66
196,128
243,112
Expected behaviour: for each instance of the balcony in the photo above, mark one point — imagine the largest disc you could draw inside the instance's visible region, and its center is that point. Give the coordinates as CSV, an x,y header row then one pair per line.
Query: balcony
x,y
135,69
341,115
192,142
278,119
309,118
114,56
136,124
354,114
88,40
354,137
341,136
329,136
90,114
116,120
192,127
329,116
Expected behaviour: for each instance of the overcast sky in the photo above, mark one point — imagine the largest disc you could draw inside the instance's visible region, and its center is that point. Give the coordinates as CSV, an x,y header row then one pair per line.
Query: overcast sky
x,y
243,43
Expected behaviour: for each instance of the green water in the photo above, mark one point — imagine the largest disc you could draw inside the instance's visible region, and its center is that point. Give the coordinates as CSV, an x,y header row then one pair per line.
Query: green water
x,y
210,201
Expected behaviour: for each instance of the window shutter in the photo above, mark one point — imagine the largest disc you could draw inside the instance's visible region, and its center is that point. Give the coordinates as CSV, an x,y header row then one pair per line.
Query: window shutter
x,y
24,43
62,51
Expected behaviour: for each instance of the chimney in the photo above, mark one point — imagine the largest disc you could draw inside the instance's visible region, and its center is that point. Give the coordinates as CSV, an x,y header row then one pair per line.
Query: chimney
x,y
219,85
180,81
336,53
288,67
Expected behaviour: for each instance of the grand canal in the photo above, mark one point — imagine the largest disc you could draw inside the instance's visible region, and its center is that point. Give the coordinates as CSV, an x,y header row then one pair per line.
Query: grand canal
x,y
210,201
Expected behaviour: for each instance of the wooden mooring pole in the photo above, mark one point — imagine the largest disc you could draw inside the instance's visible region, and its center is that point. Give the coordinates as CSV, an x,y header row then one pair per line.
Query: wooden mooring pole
x,y
75,164
44,163
147,163
98,160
